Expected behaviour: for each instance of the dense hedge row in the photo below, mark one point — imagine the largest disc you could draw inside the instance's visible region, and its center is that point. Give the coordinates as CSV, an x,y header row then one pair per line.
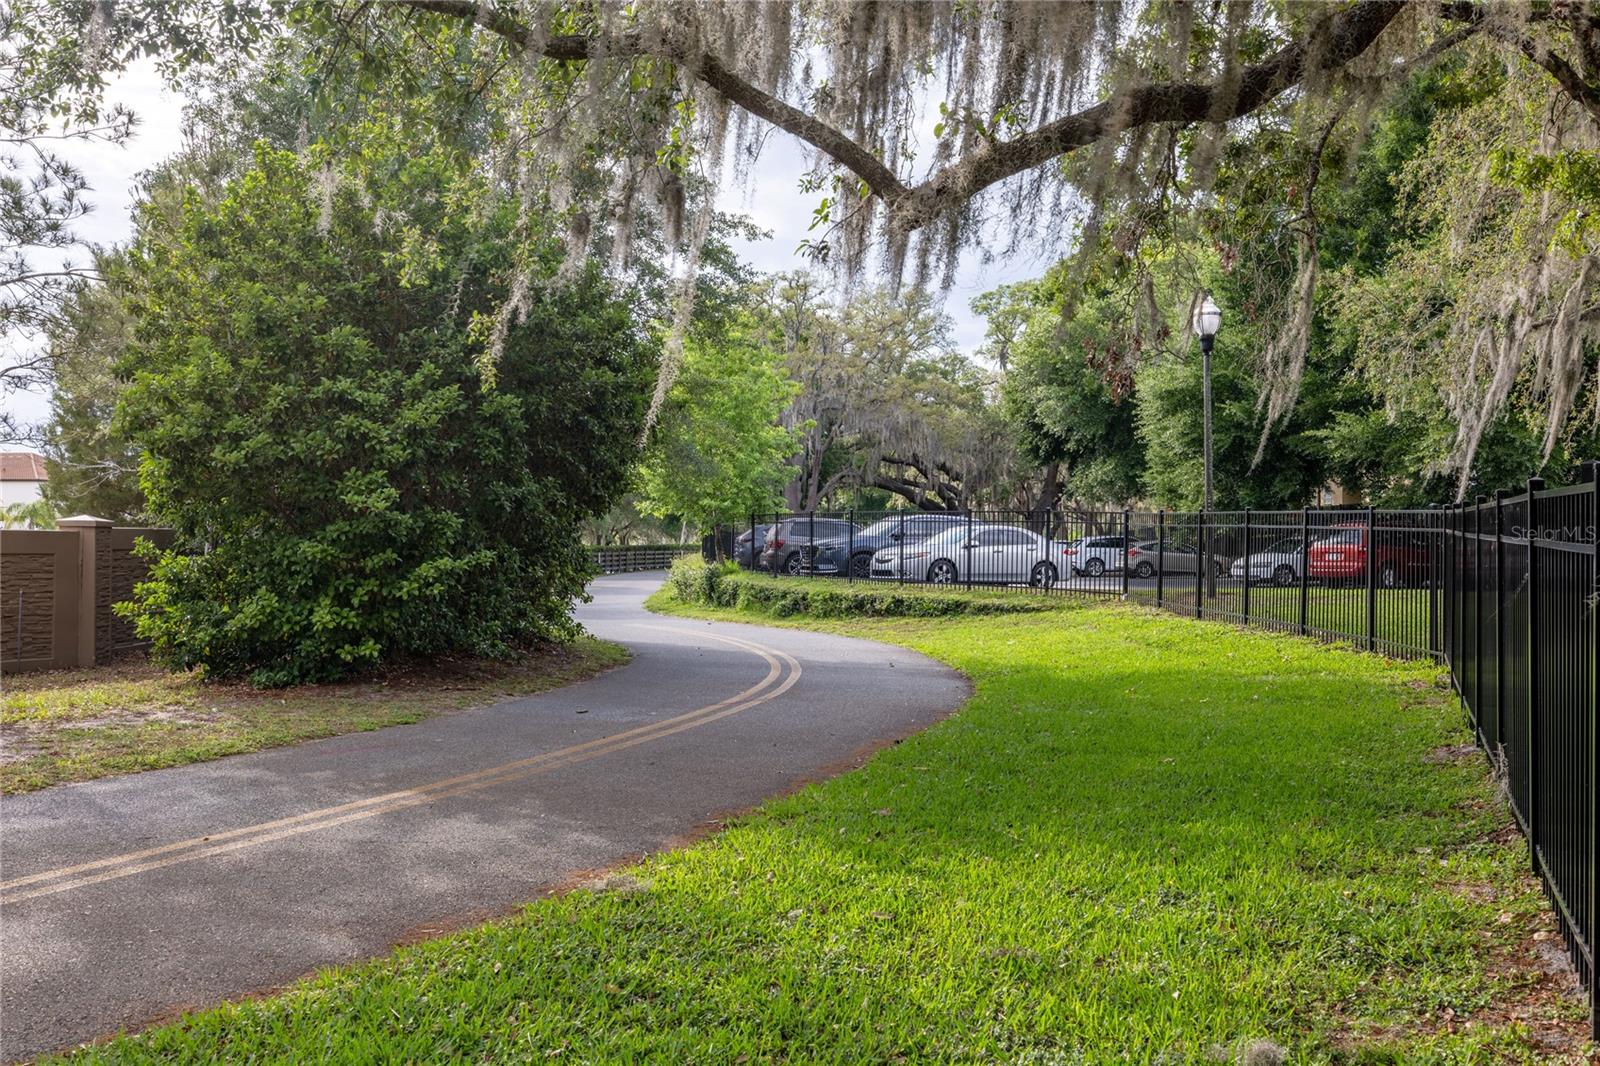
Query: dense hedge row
x,y
724,585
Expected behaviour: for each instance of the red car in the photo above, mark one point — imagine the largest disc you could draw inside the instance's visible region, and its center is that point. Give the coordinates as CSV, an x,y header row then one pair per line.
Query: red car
x,y
1401,557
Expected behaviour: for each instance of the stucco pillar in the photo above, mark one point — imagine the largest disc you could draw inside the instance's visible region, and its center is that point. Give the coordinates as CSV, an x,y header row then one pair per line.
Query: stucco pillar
x,y
94,585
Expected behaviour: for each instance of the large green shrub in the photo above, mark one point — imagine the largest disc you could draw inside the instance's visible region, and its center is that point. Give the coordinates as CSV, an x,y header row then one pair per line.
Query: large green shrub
x,y
345,485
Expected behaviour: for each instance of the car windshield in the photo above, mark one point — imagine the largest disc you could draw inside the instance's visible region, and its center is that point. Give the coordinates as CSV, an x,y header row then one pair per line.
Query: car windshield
x,y
819,527
881,527
915,527
1283,547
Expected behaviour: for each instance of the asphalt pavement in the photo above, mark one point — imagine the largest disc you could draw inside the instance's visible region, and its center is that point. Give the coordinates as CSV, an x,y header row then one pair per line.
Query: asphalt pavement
x,y
128,900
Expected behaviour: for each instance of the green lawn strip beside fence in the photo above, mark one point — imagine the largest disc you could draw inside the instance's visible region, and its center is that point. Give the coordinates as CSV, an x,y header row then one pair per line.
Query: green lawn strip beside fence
x,y
1334,613
1142,840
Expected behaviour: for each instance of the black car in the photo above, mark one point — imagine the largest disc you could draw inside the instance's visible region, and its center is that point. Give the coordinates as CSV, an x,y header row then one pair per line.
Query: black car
x,y
828,555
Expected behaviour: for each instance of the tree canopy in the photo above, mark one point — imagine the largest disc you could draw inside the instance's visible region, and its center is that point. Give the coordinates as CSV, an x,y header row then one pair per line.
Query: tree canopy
x,y
614,116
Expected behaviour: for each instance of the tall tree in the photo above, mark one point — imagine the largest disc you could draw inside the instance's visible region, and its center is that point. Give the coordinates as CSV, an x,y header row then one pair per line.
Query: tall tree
x,y
718,452
1071,420
93,469
884,401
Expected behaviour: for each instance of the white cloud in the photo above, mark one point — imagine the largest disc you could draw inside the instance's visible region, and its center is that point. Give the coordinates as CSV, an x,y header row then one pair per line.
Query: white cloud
x,y
111,171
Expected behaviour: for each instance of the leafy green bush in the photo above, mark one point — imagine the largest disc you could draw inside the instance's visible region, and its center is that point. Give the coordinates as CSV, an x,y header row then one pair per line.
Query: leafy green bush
x,y
725,585
694,580
309,391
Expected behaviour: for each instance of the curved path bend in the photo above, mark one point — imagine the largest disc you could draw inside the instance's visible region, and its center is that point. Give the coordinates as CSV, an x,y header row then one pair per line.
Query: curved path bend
x,y
127,900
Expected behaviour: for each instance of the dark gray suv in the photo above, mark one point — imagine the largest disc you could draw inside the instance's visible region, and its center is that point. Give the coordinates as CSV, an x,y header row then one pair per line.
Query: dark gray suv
x,y
784,548
912,527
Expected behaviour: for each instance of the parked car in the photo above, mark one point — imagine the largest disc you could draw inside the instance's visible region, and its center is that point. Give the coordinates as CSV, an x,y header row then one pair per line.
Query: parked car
x,y
1177,557
990,555
784,544
1279,563
742,552
1095,555
913,528
1399,558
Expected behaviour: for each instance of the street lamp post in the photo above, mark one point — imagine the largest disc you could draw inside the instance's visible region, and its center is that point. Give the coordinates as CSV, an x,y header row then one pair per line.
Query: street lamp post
x,y
1207,320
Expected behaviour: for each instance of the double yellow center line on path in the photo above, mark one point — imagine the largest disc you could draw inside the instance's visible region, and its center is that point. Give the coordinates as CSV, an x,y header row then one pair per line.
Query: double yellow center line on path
x,y
782,674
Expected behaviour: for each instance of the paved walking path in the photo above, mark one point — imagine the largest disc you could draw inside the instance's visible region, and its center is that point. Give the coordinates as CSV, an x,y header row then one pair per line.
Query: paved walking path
x,y
127,900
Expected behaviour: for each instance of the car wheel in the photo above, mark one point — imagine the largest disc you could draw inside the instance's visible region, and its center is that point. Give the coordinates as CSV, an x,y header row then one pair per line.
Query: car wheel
x,y
1284,575
861,567
1145,570
1220,569
1043,576
1095,567
942,572
1389,576
791,565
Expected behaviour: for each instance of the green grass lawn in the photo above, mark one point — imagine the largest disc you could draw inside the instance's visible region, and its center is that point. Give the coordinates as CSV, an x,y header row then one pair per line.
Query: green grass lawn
x,y
1401,615
76,725
1144,840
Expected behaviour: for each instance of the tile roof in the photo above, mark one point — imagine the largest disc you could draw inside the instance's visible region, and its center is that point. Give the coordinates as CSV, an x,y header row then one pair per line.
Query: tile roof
x,y
22,466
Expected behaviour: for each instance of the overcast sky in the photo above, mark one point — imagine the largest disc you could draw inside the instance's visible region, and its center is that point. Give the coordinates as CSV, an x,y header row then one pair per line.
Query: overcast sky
x,y
772,199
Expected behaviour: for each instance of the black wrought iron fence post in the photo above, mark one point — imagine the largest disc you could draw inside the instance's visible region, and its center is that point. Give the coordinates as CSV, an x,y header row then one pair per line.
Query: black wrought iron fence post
x,y
1535,486
1372,581
1304,567
1125,553
1499,617
1161,552
850,550
900,550
1245,595
752,541
1202,562
1477,613
808,558
1436,580
773,543
968,552
1447,566
1457,639
1056,522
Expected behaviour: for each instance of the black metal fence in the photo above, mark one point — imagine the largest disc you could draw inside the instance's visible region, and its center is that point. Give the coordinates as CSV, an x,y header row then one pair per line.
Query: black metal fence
x,y
1520,586
1503,591
1365,576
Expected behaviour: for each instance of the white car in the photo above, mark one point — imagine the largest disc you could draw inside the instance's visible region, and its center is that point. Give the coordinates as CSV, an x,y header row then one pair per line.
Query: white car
x,y
992,555
1279,563
1096,555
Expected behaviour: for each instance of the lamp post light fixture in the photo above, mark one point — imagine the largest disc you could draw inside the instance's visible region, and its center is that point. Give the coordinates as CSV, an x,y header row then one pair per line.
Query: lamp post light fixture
x,y
1207,320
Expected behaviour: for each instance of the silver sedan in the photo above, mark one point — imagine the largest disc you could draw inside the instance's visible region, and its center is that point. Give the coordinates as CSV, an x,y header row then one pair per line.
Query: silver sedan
x,y
991,555
1279,563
